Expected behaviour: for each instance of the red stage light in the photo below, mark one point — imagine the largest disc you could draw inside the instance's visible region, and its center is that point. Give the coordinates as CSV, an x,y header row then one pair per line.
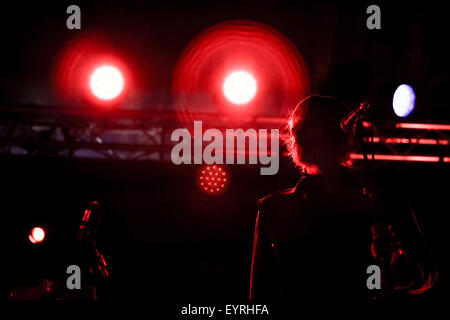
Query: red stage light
x,y
37,235
91,71
206,78
106,82
213,179
423,126
240,87
393,157
417,126
407,141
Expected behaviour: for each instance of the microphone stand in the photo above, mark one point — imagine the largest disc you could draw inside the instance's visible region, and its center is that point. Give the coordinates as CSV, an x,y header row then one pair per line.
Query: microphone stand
x,y
378,227
88,234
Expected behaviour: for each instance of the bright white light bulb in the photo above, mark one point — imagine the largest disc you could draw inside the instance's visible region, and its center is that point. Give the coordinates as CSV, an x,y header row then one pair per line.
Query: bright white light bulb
x,y
404,100
36,235
240,87
106,82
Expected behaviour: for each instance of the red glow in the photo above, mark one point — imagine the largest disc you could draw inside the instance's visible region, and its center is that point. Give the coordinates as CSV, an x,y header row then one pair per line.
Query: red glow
x,y
392,157
213,179
419,126
374,140
37,235
392,140
423,126
75,68
428,141
273,61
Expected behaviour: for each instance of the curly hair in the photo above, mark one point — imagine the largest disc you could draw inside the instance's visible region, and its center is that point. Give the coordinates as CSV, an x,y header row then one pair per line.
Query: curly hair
x,y
323,111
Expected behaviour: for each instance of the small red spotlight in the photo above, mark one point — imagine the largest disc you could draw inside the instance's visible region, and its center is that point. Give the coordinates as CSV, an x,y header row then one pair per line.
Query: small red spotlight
x,y
37,235
106,82
213,179
240,87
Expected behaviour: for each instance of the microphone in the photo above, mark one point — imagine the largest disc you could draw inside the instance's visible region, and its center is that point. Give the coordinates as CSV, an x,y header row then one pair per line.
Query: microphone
x,y
349,122
88,232
90,221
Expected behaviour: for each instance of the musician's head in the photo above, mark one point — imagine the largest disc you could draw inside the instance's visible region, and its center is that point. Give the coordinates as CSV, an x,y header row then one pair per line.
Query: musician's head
x,y
315,140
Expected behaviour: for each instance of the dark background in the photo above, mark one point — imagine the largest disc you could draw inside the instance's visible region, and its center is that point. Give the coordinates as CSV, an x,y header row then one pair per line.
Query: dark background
x,y
160,235
343,57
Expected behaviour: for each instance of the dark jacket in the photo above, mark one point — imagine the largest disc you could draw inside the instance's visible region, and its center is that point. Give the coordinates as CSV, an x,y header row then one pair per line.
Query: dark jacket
x,y
314,242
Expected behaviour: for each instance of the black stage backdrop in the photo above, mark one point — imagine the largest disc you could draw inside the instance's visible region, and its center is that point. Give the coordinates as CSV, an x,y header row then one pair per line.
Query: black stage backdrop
x,y
161,236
